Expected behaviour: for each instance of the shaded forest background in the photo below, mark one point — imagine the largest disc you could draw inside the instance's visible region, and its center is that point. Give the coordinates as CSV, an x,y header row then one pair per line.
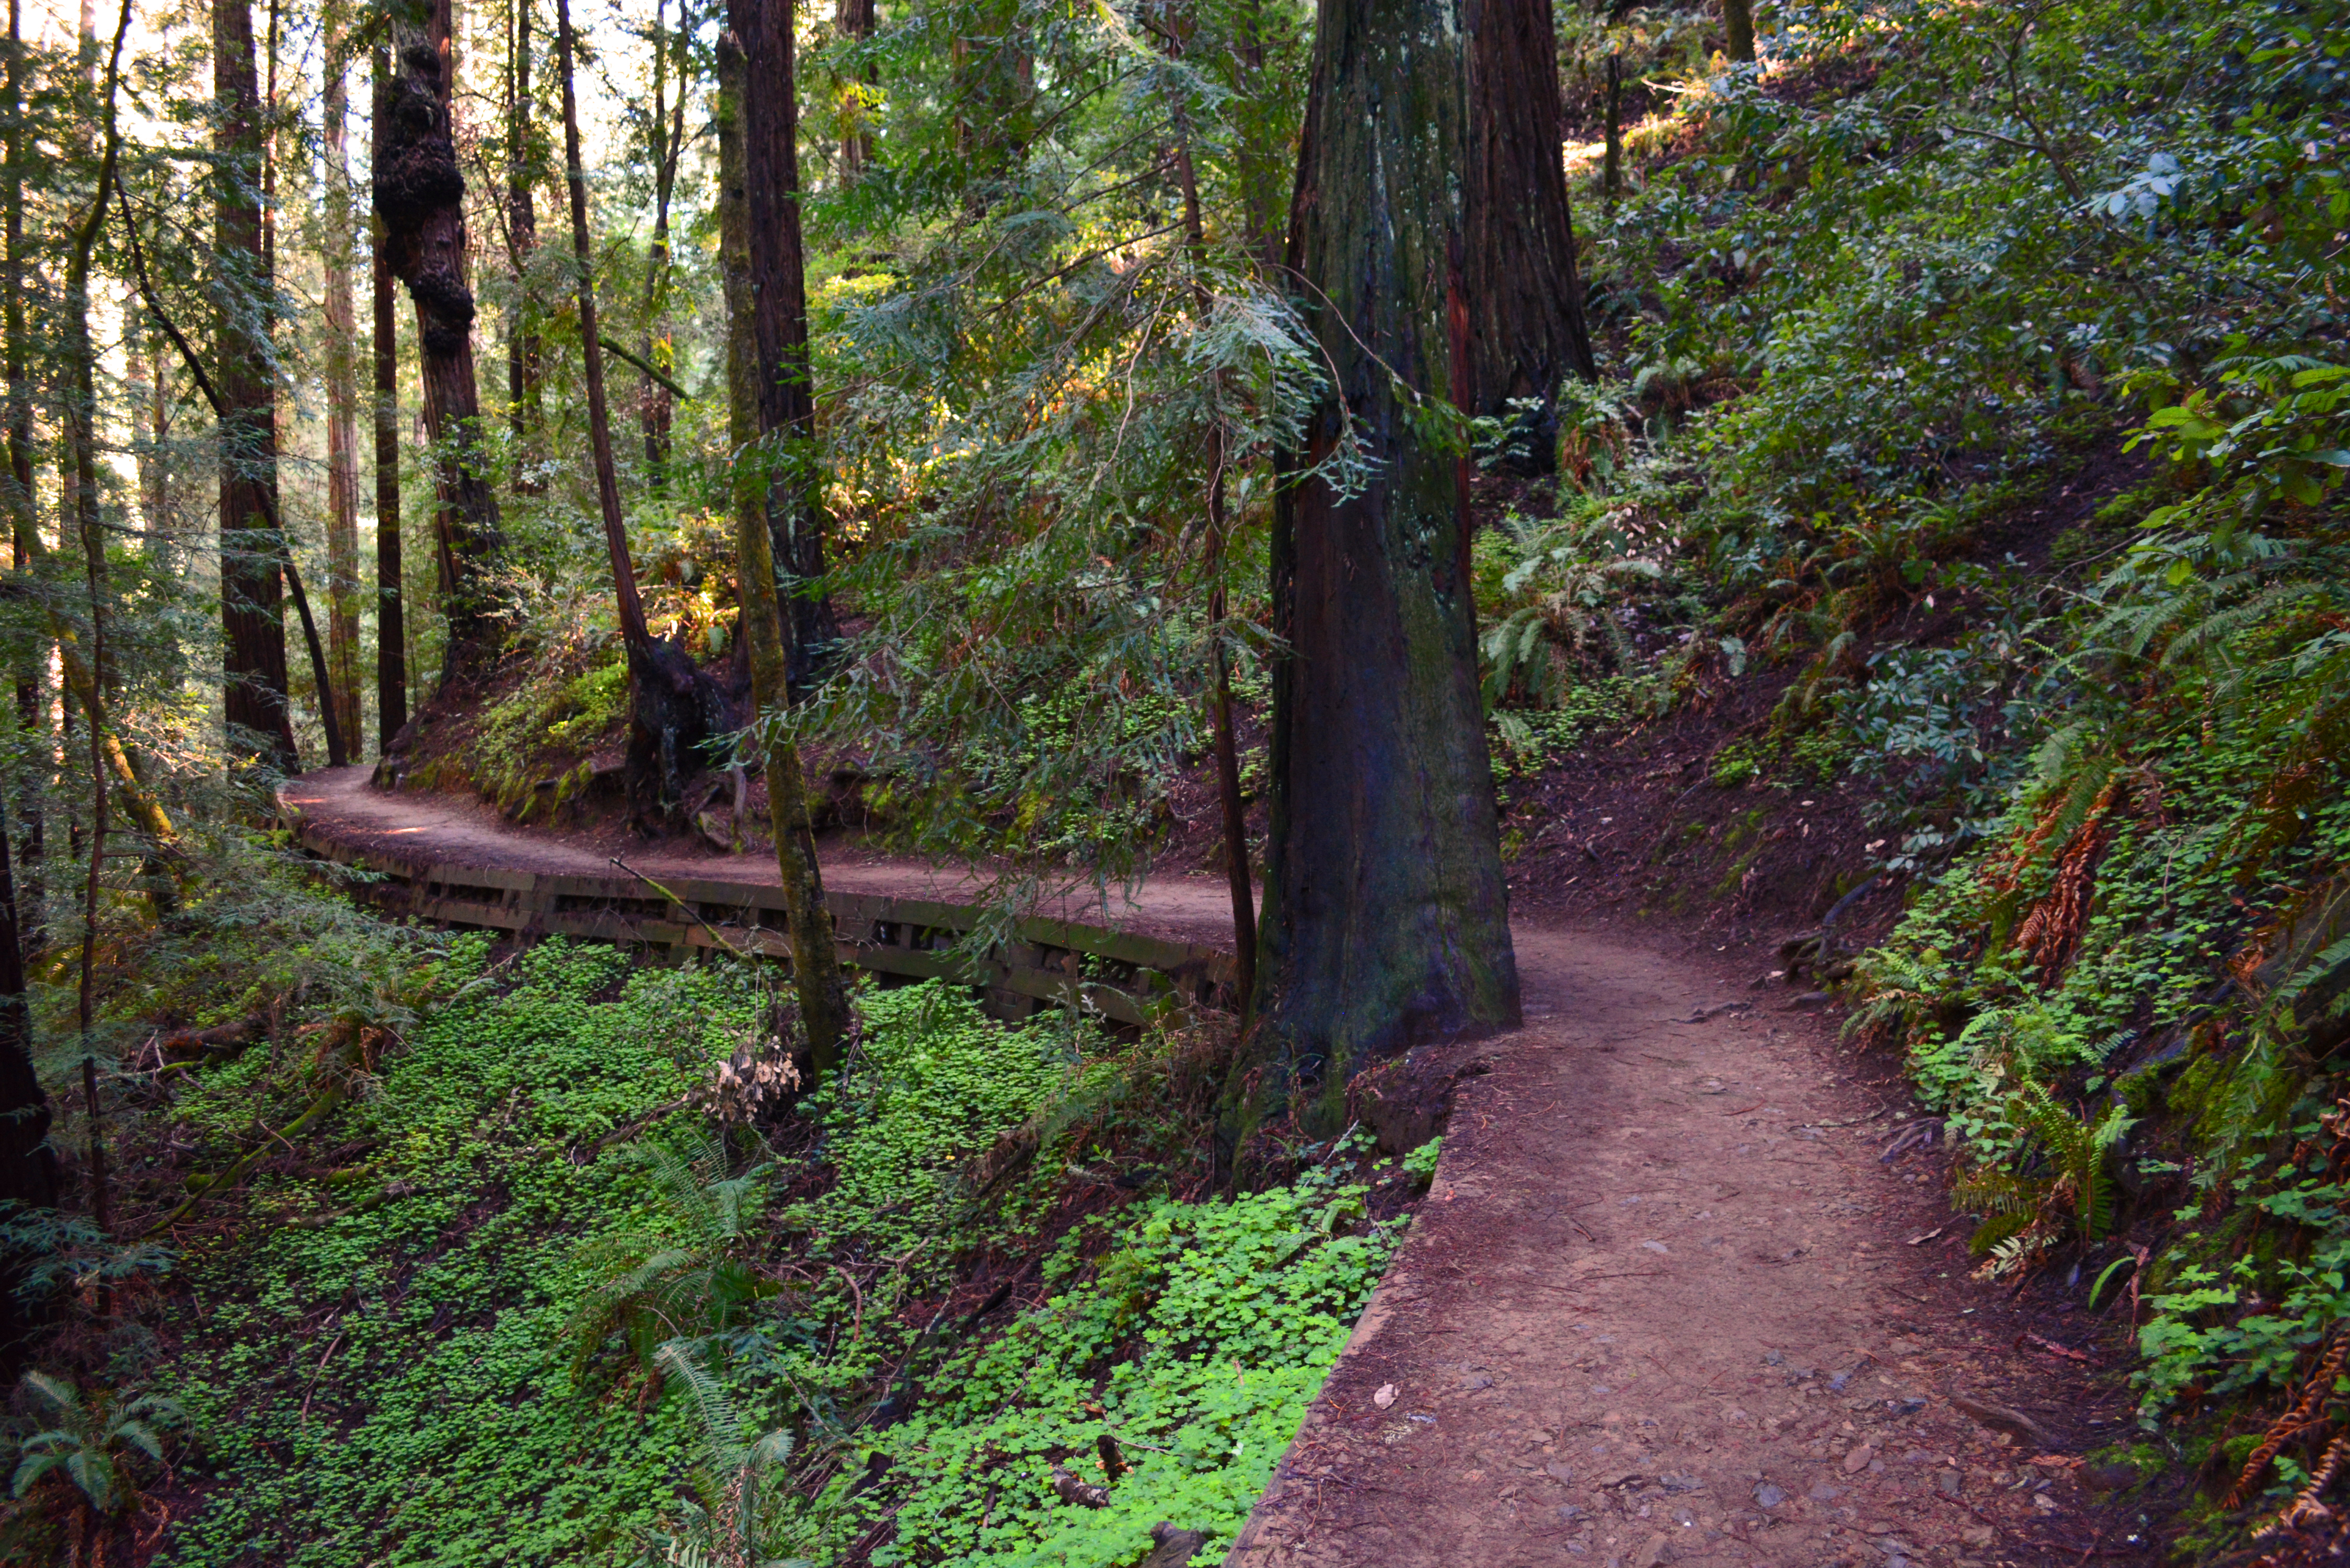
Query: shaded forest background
x,y
1902,531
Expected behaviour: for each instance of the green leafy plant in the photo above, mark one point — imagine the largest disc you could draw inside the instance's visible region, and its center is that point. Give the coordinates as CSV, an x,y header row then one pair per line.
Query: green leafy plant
x,y
691,1273
89,1445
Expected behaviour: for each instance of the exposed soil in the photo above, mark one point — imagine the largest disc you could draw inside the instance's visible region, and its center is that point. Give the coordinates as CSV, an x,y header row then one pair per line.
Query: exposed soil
x,y
1666,1302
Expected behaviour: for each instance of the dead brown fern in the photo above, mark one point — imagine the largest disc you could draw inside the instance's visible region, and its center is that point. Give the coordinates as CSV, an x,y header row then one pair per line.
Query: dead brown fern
x,y
2299,1531
2306,1414
2051,932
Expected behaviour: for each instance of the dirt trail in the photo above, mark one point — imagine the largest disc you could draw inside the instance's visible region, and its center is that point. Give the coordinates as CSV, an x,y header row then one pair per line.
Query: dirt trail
x,y
1665,1303
450,830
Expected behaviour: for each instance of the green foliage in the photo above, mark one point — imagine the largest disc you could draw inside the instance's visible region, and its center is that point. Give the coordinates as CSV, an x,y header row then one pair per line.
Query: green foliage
x,y
1421,1162
89,1438
1195,1344
689,1276
404,1363
509,1321
933,1084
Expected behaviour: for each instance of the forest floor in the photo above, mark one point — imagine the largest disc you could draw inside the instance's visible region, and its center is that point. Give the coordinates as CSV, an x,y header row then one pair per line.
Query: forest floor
x,y
1667,1301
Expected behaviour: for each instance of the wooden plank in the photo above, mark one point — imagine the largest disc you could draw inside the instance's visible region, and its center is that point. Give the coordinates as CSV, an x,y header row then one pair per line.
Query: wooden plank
x,y
1120,975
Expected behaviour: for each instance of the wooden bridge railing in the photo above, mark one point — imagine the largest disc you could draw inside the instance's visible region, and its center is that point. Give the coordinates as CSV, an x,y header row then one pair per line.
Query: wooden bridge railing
x,y
1127,978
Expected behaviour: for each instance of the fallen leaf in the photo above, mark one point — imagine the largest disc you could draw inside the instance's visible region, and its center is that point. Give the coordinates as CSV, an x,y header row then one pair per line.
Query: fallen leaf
x,y
1385,1396
2051,1347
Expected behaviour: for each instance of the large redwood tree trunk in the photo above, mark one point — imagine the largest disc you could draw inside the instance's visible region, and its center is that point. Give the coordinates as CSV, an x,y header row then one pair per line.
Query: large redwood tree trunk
x,y
778,284
390,612
419,194
1520,284
1428,234
253,614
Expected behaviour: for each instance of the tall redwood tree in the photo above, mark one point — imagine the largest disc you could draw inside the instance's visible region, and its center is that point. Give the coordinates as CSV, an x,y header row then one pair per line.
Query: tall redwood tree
x,y
419,194
252,613
1429,247
778,284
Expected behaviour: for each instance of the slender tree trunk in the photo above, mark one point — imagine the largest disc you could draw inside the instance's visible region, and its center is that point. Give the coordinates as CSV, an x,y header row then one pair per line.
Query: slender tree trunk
x,y
522,229
252,585
669,716
634,634
1738,21
770,130
81,459
342,392
154,455
391,618
1419,235
668,126
419,195
1219,698
31,711
856,20
1611,178
815,965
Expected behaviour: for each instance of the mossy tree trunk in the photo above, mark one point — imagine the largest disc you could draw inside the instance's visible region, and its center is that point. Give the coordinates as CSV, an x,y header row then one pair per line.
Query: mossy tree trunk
x,y
1738,21
419,194
1428,240
815,968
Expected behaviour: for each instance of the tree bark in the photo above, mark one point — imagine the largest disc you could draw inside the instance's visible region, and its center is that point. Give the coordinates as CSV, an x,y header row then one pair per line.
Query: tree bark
x,y
1738,22
253,616
769,126
1520,283
391,619
342,394
28,1167
668,137
1417,232
669,708
24,541
856,19
419,195
521,238
816,965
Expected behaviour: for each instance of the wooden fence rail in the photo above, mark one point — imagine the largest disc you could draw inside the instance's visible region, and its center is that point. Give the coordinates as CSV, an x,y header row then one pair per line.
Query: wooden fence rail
x,y
1048,962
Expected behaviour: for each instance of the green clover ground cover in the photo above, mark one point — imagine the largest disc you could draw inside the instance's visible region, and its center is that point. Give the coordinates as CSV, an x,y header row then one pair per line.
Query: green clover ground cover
x,y
383,1363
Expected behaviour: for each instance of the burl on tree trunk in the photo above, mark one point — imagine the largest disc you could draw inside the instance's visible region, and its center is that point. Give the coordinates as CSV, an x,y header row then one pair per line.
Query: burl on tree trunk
x,y
1429,258
419,195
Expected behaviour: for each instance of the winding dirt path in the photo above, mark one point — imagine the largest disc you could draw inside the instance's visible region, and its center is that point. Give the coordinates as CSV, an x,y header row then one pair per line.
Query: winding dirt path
x,y
1665,1303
